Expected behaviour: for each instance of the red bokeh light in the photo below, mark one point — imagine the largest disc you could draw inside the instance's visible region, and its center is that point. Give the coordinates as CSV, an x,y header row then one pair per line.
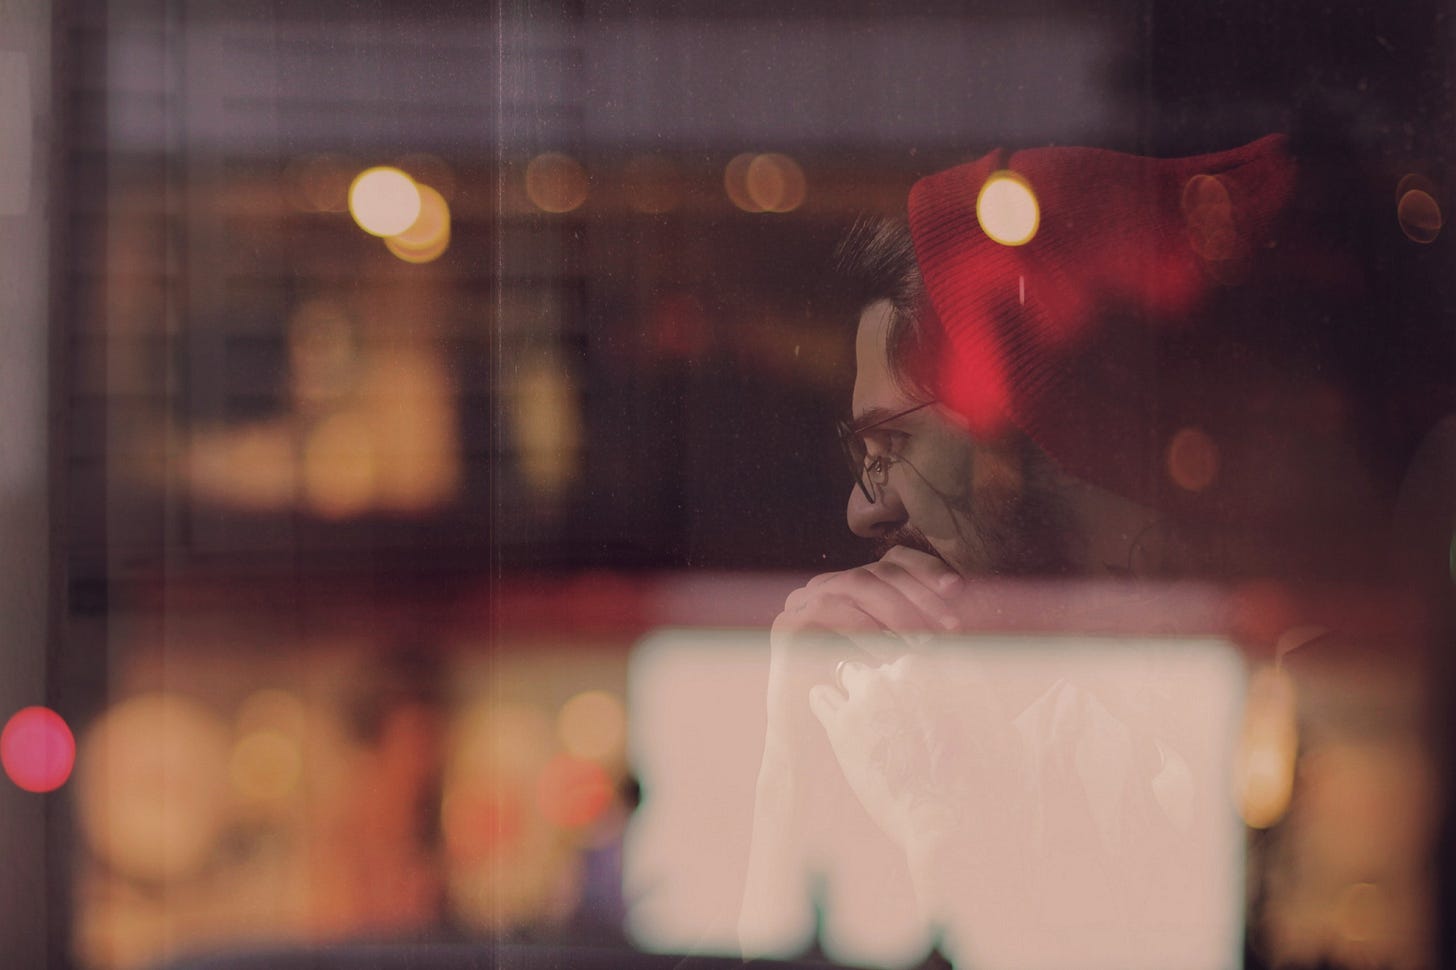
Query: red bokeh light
x,y
572,792
37,749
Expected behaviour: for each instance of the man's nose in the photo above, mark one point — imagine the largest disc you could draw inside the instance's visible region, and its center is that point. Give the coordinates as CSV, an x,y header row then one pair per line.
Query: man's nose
x,y
871,520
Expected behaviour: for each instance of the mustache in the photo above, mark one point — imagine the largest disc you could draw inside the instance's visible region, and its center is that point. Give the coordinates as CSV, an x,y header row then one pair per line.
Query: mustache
x,y
907,536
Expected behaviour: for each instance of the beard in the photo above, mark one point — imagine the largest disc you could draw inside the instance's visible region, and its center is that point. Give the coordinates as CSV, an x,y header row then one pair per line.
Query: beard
x,y
1026,532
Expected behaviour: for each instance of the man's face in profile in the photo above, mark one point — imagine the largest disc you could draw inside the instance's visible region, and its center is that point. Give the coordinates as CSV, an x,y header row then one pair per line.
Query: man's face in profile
x,y
981,507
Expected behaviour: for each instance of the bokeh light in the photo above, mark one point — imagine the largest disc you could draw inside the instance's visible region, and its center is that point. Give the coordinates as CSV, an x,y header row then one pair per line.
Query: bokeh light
x,y
246,467
593,725
546,414
153,786
266,765
428,236
1192,460
384,201
1268,747
1414,180
775,183
572,793
556,183
1212,232
1007,209
735,182
1209,212
37,749
340,466
1420,216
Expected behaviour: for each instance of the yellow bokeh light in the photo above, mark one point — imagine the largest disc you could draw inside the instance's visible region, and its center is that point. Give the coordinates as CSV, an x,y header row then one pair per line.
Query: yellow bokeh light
x,y
592,725
406,401
428,236
1268,747
546,413
340,466
266,766
556,183
775,183
248,467
384,201
1420,216
1007,209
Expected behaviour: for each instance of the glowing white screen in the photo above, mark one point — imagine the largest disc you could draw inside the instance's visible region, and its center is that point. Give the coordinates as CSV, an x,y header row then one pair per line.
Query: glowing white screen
x,y
698,710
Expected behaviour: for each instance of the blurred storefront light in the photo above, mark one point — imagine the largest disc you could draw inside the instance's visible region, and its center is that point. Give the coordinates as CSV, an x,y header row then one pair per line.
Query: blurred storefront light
x,y
340,466
384,201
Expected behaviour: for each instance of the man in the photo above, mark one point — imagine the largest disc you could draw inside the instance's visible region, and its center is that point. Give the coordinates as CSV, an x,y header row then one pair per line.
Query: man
x,y
944,509
1018,407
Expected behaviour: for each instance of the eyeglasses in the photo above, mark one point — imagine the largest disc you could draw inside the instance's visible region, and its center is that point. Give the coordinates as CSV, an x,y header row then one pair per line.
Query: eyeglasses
x,y
867,470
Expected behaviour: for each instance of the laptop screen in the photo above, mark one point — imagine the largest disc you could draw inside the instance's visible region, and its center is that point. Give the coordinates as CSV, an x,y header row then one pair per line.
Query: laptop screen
x,y
1016,798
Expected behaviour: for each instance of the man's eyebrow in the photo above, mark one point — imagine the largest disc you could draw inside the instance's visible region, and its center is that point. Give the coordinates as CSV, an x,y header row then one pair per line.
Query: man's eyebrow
x,y
870,417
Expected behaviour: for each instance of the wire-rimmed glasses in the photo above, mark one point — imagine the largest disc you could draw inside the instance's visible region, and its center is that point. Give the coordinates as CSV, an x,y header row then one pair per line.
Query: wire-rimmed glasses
x,y
869,472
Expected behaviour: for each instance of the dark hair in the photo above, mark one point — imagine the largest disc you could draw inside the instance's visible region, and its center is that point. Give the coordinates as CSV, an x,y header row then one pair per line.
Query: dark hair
x,y
876,261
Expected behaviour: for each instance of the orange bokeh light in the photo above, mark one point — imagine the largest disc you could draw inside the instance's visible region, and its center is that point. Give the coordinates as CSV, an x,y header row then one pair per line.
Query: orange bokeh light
x,y
556,183
1192,460
1420,216
428,236
775,183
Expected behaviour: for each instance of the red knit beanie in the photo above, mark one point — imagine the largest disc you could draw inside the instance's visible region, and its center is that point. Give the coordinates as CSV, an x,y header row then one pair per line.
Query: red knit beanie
x,y
1077,334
